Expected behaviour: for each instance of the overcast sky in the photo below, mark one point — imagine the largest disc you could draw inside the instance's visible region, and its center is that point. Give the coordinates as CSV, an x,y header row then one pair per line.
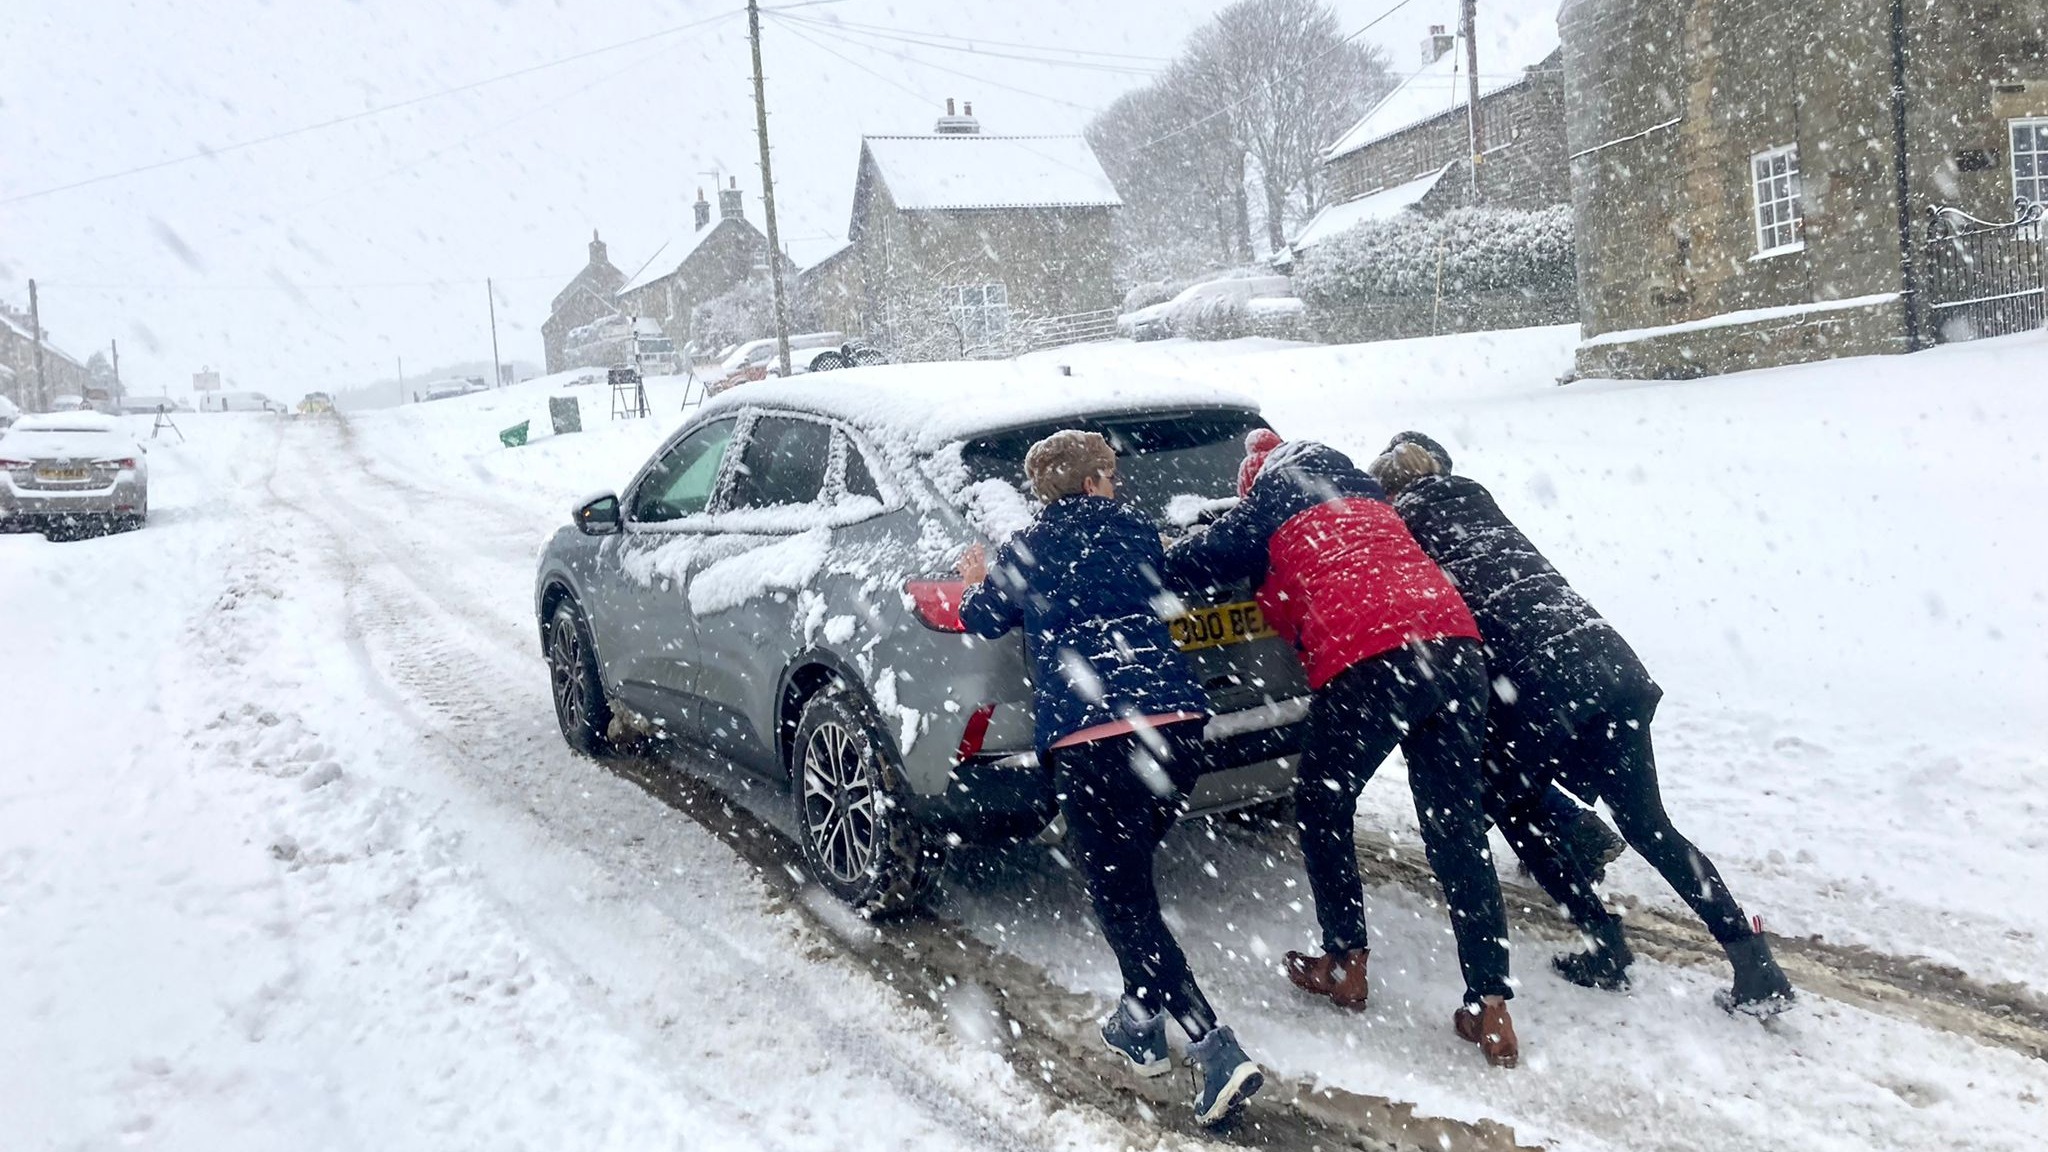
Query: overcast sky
x,y
317,260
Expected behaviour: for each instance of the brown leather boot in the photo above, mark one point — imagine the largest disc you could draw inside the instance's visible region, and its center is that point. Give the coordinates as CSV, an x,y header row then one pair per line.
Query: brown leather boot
x,y
1339,976
1488,1025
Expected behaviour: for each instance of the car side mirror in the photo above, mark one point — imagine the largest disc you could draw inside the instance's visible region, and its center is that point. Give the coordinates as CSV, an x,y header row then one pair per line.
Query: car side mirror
x,y
599,517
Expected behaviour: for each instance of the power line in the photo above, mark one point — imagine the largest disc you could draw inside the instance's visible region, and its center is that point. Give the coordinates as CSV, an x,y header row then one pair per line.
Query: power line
x,y
289,286
883,29
786,21
971,48
240,145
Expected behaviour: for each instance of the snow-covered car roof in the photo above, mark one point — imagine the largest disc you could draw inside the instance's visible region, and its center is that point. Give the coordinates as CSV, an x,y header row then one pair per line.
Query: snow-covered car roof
x,y
67,422
932,405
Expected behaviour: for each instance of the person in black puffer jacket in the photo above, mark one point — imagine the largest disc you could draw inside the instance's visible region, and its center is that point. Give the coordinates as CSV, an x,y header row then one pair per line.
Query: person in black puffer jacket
x,y
1571,704
1119,721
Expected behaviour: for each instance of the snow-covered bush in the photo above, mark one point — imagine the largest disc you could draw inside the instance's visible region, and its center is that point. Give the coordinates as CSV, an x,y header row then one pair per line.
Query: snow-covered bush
x,y
1151,292
1211,318
1471,249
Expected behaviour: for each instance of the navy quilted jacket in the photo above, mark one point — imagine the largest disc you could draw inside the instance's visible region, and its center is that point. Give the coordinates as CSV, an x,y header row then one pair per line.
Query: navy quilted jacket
x,y
1083,583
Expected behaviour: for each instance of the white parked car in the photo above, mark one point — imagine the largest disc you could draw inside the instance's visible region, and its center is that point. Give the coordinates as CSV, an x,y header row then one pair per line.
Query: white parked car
x,y
237,402
72,470
1158,321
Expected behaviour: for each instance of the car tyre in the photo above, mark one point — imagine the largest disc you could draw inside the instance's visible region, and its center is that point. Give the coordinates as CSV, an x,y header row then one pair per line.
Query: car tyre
x,y
859,838
581,708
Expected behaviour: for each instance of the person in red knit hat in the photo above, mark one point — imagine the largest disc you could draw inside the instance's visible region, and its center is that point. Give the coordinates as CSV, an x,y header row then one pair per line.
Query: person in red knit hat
x,y
1393,657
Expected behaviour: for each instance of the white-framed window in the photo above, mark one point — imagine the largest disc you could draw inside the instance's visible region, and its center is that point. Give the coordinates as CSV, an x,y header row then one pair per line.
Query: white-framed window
x,y
1774,179
982,311
2030,159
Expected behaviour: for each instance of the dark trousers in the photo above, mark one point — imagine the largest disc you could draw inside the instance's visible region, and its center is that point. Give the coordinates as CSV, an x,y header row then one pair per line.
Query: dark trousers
x,y
1606,758
1430,699
1120,796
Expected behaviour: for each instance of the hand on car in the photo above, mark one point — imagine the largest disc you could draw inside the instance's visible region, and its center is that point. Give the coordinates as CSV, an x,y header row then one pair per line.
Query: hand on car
x,y
974,564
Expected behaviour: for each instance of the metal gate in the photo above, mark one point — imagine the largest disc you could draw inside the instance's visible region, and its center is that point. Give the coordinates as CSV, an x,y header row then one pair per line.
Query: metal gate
x,y
1984,278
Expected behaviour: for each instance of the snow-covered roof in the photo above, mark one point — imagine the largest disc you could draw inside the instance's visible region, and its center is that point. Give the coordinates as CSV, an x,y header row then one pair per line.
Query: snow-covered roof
x,y
932,405
929,173
1508,43
1384,204
672,255
21,332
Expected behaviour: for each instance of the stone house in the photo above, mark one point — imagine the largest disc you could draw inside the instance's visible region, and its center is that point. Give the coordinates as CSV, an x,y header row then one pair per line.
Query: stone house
x,y
585,299
1753,179
712,260
1413,149
63,374
960,241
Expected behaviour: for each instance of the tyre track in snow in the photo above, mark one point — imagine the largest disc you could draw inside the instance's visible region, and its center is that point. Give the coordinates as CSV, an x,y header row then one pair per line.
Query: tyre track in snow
x,y
413,628
1051,1041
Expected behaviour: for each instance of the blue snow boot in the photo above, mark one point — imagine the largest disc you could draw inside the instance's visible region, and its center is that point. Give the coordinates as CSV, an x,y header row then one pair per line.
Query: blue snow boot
x,y
1224,1076
1138,1038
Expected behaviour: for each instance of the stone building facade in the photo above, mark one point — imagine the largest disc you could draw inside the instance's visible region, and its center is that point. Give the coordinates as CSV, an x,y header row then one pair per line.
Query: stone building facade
x,y
62,374
711,261
1752,178
586,299
960,239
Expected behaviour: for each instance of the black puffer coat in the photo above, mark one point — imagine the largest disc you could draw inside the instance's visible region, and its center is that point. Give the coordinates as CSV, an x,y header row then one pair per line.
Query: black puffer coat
x,y
1554,661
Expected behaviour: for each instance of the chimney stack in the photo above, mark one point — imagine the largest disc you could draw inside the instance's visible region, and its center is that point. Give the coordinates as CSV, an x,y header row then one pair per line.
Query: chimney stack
x,y
597,253
702,208
1438,45
961,123
730,204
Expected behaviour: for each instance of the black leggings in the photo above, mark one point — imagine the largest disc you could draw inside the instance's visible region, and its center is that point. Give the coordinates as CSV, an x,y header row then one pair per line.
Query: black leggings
x,y
1608,758
1430,699
1120,795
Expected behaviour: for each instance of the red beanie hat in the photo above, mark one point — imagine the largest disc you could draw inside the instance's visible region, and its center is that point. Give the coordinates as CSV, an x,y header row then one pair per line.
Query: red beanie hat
x,y
1257,443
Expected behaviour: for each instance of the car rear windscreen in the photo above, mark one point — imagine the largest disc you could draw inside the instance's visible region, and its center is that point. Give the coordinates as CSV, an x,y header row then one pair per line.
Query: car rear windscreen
x,y
1160,455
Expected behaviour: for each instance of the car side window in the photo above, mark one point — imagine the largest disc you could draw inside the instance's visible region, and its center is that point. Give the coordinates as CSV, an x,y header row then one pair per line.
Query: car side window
x,y
681,483
858,480
784,463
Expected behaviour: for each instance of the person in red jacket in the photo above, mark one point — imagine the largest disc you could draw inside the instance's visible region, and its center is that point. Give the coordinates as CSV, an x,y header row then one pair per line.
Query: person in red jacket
x,y
1393,657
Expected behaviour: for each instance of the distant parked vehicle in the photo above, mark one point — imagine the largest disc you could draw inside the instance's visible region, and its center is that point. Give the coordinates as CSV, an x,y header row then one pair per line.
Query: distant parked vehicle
x,y
237,402
69,404
1158,321
447,389
619,341
72,470
149,405
852,353
749,361
316,404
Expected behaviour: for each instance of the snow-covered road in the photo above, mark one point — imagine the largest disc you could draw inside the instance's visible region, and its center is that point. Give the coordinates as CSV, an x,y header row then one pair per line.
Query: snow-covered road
x,y
292,854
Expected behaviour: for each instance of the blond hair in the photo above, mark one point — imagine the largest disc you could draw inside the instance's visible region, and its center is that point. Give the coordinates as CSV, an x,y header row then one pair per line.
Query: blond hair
x,y
1060,465
1404,464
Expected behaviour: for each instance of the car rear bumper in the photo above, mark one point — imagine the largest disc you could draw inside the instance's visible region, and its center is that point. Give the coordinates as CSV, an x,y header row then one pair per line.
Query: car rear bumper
x,y
1247,756
122,498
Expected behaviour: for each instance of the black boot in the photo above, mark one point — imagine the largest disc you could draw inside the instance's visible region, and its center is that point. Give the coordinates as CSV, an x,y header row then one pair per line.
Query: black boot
x,y
1760,986
1604,965
1592,844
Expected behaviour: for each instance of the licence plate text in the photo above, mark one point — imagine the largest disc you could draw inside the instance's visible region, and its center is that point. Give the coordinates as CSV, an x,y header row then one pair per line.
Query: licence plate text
x,y
1220,625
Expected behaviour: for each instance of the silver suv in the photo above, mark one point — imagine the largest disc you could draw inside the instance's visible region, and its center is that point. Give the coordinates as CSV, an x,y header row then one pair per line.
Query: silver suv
x,y
777,584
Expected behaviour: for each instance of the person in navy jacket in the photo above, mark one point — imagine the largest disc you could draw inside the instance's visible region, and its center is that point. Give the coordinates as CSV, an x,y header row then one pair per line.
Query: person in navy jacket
x,y
1572,703
1392,657
1119,719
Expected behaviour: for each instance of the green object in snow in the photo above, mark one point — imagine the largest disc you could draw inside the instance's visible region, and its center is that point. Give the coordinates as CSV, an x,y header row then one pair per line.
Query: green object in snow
x,y
515,436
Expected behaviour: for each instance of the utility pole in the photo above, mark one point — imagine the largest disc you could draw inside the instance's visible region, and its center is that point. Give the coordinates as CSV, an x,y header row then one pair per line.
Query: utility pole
x,y
498,373
768,190
1475,119
115,346
35,328
401,380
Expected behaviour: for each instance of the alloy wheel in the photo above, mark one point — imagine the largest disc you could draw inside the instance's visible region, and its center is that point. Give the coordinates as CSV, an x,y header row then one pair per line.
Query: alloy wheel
x,y
839,802
567,670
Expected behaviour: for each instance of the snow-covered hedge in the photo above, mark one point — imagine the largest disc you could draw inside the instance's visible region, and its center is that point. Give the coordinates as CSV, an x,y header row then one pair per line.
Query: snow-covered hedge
x,y
1480,250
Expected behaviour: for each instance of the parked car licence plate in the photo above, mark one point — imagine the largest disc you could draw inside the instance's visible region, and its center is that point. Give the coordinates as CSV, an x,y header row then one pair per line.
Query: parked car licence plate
x,y
62,473
1220,625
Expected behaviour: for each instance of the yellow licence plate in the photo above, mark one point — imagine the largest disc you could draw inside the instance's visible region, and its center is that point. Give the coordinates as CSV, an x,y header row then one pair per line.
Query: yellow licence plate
x,y
1220,625
62,473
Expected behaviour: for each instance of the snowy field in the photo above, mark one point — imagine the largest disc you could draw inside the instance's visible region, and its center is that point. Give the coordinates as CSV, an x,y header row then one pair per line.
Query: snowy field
x,y
292,855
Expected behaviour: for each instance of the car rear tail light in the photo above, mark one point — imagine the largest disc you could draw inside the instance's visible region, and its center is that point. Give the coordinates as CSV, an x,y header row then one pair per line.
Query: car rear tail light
x,y
937,603
126,463
14,465
972,736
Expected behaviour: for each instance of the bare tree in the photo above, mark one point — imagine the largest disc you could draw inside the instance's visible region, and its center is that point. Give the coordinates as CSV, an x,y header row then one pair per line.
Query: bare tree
x,y
1285,79
1179,173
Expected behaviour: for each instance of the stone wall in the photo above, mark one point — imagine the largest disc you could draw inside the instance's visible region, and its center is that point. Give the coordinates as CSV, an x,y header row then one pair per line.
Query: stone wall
x,y
1524,165
1667,100
1404,317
